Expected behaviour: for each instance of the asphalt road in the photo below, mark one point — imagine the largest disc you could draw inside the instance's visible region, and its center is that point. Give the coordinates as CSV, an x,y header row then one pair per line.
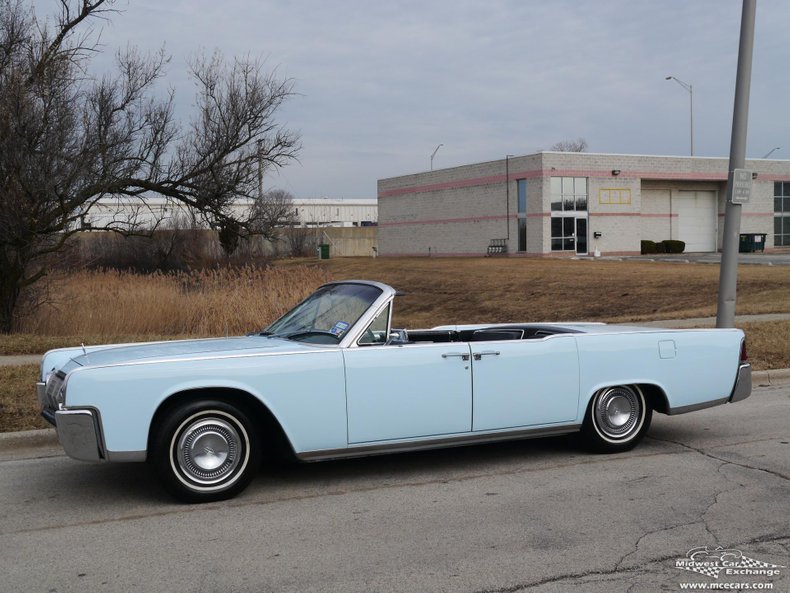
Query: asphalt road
x,y
539,515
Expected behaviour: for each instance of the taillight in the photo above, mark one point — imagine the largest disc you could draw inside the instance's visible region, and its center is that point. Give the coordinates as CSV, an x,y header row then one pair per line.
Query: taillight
x,y
744,355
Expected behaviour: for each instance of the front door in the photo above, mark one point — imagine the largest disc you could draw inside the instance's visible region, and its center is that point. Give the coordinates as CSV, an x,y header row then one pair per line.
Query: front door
x,y
569,233
401,392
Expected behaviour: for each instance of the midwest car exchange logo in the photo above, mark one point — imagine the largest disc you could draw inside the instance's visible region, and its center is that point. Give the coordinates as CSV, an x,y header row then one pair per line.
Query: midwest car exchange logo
x,y
727,562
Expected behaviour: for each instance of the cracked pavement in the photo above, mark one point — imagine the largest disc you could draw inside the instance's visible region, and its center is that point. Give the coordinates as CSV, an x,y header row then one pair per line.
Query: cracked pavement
x,y
540,516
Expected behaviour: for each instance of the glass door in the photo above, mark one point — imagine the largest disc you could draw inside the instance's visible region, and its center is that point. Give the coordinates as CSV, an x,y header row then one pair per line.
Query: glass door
x,y
569,233
581,236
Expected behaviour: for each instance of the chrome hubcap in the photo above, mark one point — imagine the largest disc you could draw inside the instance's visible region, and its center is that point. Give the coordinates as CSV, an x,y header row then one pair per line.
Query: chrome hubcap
x,y
208,450
618,412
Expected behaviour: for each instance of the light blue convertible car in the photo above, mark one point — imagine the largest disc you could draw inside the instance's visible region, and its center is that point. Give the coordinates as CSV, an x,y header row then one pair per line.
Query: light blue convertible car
x,y
332,378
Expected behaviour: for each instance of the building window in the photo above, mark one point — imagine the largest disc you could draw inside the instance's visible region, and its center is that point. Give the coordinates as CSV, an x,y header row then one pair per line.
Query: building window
x,y
568,194
781,213
569,197
521,185
522,196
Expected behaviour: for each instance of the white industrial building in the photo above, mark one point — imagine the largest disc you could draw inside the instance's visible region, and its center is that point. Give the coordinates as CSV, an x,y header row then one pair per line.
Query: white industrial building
x,y
327,212
307,212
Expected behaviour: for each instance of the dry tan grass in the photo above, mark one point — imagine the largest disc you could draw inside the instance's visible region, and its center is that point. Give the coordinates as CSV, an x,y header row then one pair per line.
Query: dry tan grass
x,y
95,307
206,303
768,344
18,403
443,290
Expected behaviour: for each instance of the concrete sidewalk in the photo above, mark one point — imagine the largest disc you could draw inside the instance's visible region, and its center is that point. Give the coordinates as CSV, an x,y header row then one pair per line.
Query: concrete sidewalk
x,y
19,360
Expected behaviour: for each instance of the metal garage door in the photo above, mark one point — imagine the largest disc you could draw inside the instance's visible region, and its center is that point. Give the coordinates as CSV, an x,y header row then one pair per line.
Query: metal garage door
x,y
697,215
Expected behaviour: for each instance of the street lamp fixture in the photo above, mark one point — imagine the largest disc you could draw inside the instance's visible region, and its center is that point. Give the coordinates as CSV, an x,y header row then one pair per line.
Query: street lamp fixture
x,y
770,152
434,154
690,90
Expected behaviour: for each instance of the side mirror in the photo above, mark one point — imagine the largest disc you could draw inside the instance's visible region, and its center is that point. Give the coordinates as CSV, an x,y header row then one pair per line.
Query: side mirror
x,y
398,336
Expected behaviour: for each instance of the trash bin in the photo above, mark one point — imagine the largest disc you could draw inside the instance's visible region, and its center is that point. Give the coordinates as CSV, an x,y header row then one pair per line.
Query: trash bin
x,y
323,251
751,242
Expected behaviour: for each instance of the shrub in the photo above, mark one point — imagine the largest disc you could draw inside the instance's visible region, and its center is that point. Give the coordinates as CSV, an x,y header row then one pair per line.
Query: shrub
x,y
673,246
648,247
660,247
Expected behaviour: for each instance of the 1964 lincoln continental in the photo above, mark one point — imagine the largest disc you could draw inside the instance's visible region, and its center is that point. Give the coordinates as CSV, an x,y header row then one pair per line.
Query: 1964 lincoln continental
x,y
332,378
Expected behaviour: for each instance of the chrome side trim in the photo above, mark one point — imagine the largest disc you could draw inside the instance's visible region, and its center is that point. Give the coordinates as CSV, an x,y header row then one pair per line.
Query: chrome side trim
x,y
695,407
743,383
41,393
78,434
435,443
123,456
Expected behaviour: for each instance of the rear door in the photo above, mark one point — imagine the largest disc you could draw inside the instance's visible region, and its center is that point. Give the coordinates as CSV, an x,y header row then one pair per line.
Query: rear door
x,y
524,382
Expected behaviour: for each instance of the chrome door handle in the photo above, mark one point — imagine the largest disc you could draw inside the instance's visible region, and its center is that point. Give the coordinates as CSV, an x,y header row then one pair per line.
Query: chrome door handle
x,y
480,355
461,355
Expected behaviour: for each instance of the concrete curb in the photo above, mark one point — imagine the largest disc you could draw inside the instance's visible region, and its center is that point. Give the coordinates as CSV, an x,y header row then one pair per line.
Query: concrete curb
x,y
772,378
47,437
28,439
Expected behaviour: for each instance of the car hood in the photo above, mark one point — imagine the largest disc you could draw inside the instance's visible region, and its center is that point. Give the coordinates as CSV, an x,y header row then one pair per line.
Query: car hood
x,y
174,350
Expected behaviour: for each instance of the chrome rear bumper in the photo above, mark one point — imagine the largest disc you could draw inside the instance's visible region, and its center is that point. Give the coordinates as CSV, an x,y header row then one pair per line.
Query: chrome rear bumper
x,y
743,383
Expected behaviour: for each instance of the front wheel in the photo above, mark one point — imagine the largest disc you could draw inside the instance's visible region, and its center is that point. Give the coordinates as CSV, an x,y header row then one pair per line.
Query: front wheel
x,y
617,419
205,450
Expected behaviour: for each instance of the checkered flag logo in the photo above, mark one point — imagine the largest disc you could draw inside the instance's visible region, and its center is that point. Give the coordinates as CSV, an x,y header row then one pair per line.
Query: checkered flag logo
x,y
747,562
708,571
712,562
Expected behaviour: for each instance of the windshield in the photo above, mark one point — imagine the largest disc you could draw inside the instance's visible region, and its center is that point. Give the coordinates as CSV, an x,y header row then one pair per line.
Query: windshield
x,y
327,314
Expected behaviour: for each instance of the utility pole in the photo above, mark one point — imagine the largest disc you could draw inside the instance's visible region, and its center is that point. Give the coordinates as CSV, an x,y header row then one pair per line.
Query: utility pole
x,y
728,273
260,171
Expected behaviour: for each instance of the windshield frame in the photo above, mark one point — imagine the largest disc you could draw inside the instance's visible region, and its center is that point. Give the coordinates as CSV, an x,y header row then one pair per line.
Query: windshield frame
x,y
350,336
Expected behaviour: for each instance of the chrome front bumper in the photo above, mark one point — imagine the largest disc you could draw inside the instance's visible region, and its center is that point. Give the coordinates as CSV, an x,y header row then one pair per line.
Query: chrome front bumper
x,y
743,383
78,430
78,433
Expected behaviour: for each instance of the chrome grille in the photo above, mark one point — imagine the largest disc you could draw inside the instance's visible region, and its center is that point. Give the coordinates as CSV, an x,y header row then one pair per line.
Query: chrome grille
x,y
54,386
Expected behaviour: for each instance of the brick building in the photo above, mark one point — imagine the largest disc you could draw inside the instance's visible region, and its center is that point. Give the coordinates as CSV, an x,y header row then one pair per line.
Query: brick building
x,y
569,203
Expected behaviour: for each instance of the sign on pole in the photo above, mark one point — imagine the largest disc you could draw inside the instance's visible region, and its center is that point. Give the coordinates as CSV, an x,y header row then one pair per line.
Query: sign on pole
x,y
741,186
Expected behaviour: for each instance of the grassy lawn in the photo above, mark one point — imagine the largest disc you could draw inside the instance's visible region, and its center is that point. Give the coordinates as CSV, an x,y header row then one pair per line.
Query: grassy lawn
x,y
437,291
452,290
18,403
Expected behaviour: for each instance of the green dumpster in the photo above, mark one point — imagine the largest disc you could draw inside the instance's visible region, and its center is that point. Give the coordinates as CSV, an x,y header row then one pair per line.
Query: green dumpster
x,y
751,242
323,251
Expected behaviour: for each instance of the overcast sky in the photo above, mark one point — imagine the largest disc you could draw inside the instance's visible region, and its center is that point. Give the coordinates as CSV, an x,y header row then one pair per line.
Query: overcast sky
x,y
383,83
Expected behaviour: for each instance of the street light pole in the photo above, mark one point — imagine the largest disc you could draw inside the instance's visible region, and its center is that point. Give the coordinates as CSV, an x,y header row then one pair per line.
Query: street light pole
x,y
690,90
770,152
434,154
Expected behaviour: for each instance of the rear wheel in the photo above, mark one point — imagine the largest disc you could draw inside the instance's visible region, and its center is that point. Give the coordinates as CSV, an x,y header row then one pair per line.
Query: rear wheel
x,y
617,419
205,450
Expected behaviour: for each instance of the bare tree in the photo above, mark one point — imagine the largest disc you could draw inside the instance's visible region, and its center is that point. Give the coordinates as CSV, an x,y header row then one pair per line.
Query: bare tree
x,y
272,211
68,140
578,145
